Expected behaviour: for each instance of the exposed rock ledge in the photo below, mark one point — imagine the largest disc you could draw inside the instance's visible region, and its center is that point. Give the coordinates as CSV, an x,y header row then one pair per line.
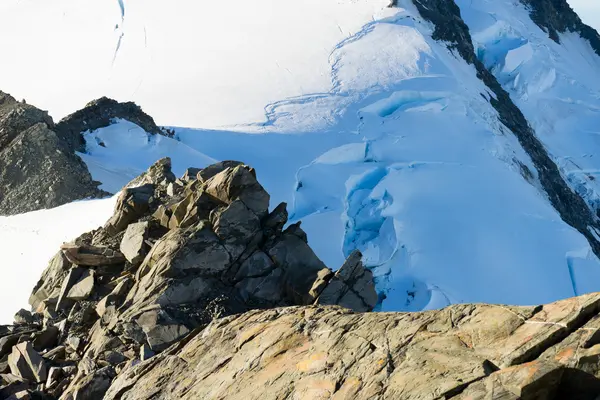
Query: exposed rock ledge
x,y
176,254
181,295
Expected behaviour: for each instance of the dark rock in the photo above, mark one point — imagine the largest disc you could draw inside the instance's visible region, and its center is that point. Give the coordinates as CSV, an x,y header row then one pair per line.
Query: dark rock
x,y
352,287
26,363
23,317
451,29
37,171
101,113
132,204
46,339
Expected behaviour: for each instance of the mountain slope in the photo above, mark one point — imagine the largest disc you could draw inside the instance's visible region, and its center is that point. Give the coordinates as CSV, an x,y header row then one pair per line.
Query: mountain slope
x,y
435,137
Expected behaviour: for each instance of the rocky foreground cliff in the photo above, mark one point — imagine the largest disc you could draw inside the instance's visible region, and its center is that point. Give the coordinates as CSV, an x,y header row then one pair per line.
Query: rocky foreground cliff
x,y
195,289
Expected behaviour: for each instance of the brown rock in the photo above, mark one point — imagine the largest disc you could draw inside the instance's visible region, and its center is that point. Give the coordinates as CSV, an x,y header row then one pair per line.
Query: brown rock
x,y
94,256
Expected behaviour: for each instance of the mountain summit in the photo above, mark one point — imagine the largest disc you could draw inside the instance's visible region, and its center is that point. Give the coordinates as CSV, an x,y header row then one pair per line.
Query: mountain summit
x,y
453,144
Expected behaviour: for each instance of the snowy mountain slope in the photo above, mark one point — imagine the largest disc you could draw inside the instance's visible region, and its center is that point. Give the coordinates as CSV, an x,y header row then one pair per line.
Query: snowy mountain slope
x,y
393,146
30,240
165,56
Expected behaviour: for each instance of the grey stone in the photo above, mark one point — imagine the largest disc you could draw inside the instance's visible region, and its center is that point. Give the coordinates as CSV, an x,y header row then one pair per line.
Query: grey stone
x,y
133,245
94,256
239,183
84,286
236,225
352,286
132,204
26,363
206,173
160,329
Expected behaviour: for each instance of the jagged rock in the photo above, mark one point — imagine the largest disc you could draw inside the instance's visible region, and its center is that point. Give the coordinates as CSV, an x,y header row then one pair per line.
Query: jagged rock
x,y
114,297
49,284
90,386
37,170
160,329
57,353
236,225
101,113
23,317
351,287
206,173
87,255
481,351
26,363
131,205
84,286
55,374
212,250
145,352
300,267
7,342
239,183
72,277
159,174
190,174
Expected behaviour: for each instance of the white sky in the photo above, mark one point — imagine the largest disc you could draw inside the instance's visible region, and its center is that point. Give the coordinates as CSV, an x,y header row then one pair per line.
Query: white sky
x,y
588,10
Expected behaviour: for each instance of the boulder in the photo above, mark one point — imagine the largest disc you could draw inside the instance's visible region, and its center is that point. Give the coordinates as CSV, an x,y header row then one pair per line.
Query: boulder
x,y
239,183
206,173
132,204
84,286
49,285
133,246
46,338
352,287
26,363
161,330
93,256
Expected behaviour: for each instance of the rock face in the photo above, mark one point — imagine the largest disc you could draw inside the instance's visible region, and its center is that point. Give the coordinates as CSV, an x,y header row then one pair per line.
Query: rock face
x,y
176,254
194,289
37,168
100,113
461,352
556,16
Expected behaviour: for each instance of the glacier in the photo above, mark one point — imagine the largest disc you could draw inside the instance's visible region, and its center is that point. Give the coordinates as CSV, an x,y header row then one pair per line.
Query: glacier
x,y
379,137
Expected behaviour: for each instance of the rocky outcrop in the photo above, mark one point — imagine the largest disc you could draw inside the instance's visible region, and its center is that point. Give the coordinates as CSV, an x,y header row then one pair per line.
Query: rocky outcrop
x,y
556,16
101,113
195,289
37,169
451,29
461,352
176,254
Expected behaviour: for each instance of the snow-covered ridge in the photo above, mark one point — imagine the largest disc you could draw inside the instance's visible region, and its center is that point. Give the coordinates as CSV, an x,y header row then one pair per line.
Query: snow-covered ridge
x,y
392,146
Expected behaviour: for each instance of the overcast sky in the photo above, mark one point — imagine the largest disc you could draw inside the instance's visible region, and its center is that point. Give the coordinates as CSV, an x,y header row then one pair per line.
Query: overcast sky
x,y
588,10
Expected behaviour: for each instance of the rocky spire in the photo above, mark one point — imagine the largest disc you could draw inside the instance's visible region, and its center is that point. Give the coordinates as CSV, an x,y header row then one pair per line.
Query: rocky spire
x,y
176,254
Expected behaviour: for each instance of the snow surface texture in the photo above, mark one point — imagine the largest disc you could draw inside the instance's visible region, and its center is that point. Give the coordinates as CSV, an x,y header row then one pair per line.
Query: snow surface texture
x,y
164,55
390,147
28,241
